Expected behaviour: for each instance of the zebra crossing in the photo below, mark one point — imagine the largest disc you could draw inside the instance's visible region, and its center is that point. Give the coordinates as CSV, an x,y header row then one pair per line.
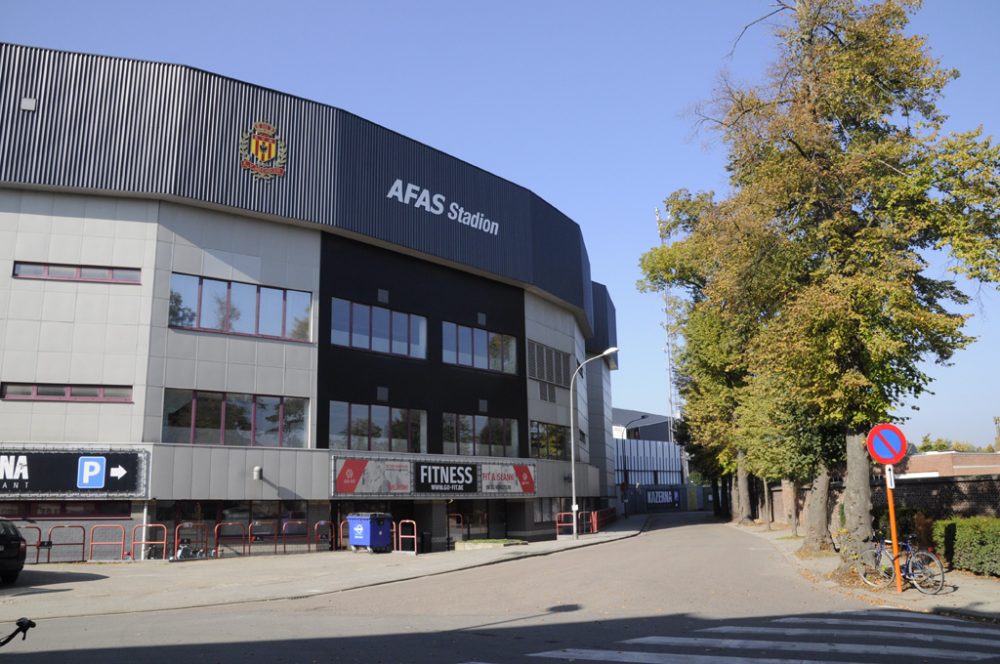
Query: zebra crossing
x,y
854,637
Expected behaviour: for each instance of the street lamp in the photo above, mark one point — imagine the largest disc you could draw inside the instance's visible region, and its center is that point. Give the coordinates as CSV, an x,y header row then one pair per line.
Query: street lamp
x,y
641,417
572,435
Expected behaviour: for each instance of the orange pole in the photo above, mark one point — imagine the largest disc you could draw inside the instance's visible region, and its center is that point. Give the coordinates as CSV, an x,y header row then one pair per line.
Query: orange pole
x,y
895,540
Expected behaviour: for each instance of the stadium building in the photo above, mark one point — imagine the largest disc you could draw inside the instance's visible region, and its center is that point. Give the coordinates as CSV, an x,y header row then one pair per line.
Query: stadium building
x,y
220,303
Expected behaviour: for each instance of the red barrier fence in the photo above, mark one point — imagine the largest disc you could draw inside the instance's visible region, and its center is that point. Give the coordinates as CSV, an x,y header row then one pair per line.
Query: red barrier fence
x,y
402,536
317,538
50,544
229,539
195,544
152,543
120,542
38,540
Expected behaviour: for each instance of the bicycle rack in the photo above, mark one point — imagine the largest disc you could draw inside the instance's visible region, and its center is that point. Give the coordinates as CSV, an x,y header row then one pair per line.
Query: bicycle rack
x,y
564,520
273,525
38,540
221,538
161,542
343,535
50,544
120,542
316,536
401,537
201,536
284,534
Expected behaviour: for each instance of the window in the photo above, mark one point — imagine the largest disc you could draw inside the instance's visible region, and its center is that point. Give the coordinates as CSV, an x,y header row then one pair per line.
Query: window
x,y
378,329
478,435
478,348
549,441
218,418
76,273
234,307
76,509
377,427
55,392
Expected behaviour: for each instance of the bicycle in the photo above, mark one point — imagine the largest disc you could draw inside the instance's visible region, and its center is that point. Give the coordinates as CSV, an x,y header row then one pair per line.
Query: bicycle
x,y
23,625
923,569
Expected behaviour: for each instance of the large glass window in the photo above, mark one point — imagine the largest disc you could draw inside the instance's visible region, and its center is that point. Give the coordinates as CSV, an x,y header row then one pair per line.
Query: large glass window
x,y
234,419
360,325
272,312
239,419
478,348
239,308
479,435
341,323
177,408
298,313
360,426
293,422
208,418
243,308
418,337
76,273
377,427
340,425
549,441
400,334
267,420
183,300
378,329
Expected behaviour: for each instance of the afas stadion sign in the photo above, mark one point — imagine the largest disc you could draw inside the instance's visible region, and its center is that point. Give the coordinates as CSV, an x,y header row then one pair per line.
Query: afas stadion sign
x,y
387,477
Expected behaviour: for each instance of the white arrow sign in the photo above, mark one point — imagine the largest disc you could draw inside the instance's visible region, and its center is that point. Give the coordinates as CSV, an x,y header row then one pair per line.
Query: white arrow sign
x,y
118,472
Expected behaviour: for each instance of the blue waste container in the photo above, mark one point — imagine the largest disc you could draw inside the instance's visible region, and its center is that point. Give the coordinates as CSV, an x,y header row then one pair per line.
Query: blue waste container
x,y
371,531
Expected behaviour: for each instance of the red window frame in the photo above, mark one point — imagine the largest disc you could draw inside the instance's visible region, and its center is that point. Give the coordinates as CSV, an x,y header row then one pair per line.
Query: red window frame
x,y
67,393
78,269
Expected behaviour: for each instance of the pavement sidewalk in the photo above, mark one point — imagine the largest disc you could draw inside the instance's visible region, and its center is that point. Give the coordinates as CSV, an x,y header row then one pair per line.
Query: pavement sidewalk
x,y
963,594
87,589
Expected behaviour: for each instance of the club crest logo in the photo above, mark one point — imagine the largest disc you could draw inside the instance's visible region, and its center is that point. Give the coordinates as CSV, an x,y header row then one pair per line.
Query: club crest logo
x,y
263,152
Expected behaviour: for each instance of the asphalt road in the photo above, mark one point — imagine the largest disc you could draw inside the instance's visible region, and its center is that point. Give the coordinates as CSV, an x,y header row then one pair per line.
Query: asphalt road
x,y
684,591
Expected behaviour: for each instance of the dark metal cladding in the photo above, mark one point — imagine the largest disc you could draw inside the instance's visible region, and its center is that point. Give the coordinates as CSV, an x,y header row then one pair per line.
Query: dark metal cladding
x,y
605,326
119,126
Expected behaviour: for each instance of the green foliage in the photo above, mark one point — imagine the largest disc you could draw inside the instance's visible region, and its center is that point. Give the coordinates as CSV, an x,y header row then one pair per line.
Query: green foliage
x,y
808,311
947,445
971,544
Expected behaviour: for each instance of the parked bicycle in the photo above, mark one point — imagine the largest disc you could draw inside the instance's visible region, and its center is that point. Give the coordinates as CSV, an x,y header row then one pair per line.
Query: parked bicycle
x,y
922,568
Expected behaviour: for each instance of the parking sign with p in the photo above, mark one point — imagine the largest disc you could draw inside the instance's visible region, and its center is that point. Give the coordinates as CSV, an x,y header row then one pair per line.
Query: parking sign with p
x,y
90,472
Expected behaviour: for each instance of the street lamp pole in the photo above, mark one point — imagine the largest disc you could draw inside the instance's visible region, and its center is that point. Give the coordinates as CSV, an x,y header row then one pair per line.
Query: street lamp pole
x,y
572,436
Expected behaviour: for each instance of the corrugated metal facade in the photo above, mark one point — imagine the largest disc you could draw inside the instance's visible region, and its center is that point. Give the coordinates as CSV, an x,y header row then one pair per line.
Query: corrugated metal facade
x,y
117,126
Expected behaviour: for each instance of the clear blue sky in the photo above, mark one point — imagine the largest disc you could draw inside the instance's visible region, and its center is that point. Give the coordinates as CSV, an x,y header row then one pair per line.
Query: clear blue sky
x,y
588,104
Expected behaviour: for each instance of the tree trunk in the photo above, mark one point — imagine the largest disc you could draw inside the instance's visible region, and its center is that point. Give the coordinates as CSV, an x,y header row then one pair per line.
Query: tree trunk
x,y
857,501
767,505
743,482
734,498
727,503
790,498
817,524
716,497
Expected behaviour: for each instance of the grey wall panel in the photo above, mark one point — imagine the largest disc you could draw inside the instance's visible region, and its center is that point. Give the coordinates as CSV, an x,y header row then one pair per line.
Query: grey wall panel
x,y
201,472
288,489
182,484
219,473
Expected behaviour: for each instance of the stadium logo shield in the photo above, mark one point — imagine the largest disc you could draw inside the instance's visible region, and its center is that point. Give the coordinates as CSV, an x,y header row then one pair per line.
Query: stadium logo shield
x,y
263,152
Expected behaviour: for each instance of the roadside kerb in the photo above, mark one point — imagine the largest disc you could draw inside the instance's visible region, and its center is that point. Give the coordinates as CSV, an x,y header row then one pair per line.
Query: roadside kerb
x,y
69,590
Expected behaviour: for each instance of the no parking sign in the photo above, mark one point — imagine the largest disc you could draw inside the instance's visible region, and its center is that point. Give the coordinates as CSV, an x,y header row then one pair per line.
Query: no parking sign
x,y
887,445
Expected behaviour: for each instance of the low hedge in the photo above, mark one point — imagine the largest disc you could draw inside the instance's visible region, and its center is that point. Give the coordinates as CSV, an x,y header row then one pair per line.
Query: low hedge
x,y
970,543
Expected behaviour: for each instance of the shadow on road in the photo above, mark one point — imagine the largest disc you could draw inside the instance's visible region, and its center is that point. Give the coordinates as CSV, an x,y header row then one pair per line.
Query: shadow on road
x,y
862,636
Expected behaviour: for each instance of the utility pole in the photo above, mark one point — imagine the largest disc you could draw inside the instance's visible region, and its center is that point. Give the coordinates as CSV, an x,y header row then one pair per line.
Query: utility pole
x,y
996,441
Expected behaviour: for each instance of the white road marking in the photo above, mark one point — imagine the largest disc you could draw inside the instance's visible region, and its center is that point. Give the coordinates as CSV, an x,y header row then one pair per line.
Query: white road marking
x,y
634,657
890,623
889,613
849,633
873,649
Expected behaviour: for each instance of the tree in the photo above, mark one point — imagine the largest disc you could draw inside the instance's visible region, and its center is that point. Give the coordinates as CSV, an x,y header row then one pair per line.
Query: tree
x,y
841,156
